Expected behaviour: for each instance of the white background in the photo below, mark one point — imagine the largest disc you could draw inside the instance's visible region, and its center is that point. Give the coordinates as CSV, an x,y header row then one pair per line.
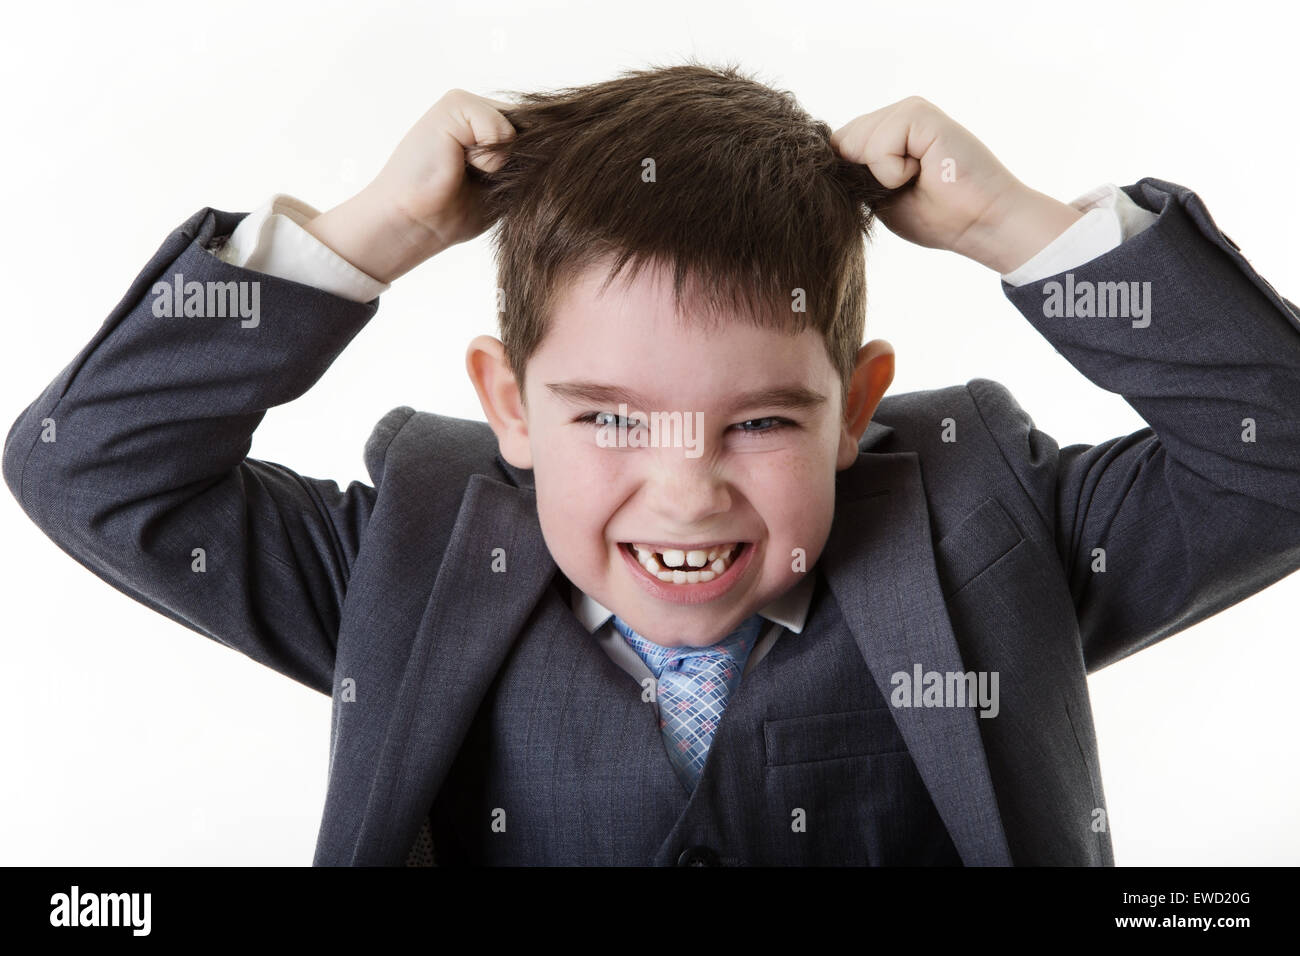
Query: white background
x,y
127,739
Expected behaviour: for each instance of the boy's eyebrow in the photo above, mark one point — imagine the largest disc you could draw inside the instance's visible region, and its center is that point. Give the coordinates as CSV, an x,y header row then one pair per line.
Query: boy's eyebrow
x,y
792,397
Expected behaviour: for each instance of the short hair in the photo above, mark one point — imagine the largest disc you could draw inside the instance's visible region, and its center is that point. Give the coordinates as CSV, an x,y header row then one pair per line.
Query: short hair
x,y
723,179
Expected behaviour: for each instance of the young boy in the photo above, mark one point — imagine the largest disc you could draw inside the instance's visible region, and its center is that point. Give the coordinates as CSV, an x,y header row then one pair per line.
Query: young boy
x,y
691,497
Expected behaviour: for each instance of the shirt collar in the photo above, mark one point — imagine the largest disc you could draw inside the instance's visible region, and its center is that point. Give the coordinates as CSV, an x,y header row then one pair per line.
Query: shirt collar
x,y
789,610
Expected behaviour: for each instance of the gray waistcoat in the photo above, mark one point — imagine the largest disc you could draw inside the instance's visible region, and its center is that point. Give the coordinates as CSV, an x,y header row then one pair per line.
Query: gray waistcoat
x,y
564,764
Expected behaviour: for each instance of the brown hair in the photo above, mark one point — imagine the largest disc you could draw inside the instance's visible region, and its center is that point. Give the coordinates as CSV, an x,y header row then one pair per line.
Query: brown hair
x,y
748,202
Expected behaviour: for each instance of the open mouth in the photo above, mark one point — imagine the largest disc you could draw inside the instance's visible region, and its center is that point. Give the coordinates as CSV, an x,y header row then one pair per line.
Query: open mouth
x,y
686,566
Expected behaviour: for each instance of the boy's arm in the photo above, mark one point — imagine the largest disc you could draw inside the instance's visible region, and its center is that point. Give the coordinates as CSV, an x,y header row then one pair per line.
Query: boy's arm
x,y
134,457
1202,508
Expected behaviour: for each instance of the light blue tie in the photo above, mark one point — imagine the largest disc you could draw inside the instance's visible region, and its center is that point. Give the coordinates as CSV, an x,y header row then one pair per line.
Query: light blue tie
x,y
694,684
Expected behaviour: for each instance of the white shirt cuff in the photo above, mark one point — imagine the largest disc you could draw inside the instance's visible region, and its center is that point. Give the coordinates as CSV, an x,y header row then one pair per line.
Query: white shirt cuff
x,y
1109,217
272,240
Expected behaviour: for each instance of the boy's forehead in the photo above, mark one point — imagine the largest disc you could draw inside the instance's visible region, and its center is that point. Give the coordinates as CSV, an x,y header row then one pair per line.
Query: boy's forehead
x,y
645,307
647,293
632,332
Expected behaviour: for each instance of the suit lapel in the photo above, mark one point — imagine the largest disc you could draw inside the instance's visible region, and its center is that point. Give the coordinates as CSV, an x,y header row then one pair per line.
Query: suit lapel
x,y
879,564
472,618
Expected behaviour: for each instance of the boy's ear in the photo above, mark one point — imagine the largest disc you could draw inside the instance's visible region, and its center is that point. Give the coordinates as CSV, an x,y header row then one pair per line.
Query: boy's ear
x,y
872,374
498,393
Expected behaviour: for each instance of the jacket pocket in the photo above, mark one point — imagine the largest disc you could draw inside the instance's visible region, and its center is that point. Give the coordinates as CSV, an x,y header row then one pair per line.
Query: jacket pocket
x,y
852,733
982,538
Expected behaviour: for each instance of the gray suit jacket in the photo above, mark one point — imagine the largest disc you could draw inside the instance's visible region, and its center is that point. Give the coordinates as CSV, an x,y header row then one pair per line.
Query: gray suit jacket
x,y
973,555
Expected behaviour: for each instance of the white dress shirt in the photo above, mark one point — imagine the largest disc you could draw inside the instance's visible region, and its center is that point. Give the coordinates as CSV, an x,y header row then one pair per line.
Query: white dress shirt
x,y
272,240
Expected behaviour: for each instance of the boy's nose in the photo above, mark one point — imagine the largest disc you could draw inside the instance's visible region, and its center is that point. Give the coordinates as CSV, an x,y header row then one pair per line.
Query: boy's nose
x,y
686,492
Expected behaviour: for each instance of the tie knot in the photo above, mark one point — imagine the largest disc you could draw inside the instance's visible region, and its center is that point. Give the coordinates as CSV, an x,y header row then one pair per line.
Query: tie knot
x,y
729,653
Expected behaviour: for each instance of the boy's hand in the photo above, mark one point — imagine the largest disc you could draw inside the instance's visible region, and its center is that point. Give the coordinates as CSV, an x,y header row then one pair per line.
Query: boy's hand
x,y
422,201
425,179
963,199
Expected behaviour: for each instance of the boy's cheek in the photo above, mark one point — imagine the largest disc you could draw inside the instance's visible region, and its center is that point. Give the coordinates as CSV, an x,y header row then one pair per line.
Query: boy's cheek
x,y
797,493
564,462
799,523
578,496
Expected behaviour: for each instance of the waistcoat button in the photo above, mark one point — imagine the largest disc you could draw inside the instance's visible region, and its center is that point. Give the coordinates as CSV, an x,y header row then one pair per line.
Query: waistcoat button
x,y
698,856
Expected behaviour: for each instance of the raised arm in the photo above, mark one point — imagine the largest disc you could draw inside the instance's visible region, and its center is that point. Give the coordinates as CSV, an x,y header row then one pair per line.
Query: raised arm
x,y
1202,508
134,459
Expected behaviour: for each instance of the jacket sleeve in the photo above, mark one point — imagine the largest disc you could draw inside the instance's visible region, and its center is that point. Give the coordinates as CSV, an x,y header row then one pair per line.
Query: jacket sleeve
x,y
1200,509
133,460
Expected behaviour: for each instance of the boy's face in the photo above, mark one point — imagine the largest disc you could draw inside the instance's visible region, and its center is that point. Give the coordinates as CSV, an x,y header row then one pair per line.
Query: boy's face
x,y
749,463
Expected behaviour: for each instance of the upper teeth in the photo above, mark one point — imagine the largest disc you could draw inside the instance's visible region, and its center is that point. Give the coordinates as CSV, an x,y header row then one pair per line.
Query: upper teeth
x,y
717,559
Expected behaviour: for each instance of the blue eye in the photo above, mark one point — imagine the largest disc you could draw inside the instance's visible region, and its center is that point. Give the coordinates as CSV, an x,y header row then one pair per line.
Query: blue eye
x,y
608,420
779,423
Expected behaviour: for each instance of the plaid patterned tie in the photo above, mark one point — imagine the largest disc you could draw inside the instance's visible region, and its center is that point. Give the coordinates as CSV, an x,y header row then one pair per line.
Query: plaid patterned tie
x,y
694,684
